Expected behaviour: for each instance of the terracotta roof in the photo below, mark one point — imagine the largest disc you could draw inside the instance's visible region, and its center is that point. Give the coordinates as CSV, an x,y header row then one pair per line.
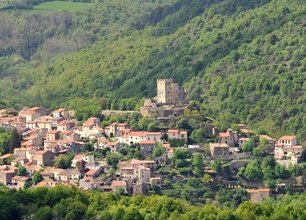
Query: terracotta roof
x,y
99,128
32,137
91,172
5,156
257,190
289,138
119,183
111,143
218,145
34,108
173,131
54,170
23,179
79,156
153,133
267,137
88,124
16,177
41,152
91,119
127,168
138,133
148,142
53,132
224,134
60,110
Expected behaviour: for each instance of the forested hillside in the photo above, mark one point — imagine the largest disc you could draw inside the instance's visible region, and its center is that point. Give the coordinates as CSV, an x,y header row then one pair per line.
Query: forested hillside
x,y
61,202
243,60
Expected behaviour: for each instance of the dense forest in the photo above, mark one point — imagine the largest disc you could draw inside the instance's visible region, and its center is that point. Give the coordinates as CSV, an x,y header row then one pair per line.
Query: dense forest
x,y
244,61
62,202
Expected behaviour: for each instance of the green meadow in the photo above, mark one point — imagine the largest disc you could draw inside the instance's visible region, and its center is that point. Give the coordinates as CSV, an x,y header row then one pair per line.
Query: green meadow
x,y
53,6
61,6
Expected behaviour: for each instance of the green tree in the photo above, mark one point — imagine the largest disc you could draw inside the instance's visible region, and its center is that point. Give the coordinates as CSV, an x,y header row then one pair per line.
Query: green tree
x,y
248,145
158,151
112,159
217,165
37,178
197,160
253,171
62,161
21,171
15,141
44,213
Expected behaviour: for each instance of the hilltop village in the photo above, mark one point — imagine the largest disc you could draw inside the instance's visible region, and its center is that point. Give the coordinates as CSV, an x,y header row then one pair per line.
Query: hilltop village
x,y
51,147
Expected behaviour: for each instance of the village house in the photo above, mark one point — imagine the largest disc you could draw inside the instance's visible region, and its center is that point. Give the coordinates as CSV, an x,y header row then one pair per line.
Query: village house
x,y
53,135
257,195
35,140
44,158
270,140
94,120
156,180
138,172
47,175
69,175
87,129
65,125
88,159
137,136
17,124
91,184
18,182
119,184
55,122
227,138
113,146
7,173
19,162
25,152
155,136
93,173
177,134
54,171
287,141
114,129
31,168
147,147
44,122
70,135
219,149
100,143
287,146
61,112
137,163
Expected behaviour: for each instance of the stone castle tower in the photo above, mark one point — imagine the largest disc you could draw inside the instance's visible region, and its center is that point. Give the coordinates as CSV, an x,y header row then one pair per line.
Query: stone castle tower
x,y
169,92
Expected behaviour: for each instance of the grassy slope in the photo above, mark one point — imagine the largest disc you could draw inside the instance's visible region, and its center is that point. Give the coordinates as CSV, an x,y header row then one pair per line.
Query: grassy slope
x,y
243,62
60,6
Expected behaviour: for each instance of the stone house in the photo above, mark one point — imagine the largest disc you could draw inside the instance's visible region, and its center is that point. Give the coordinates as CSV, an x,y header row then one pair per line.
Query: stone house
x,y
61,112
257,195
119,184
44,158
287,141
69,175
113,146
53,135
147,147
219,149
